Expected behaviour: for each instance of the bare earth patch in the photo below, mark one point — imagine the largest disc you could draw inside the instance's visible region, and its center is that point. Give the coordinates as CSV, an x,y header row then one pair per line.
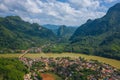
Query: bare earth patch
x,y
47,76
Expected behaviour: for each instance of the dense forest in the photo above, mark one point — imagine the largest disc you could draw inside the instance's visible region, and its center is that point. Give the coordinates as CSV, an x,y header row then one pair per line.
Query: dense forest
x,y
12,69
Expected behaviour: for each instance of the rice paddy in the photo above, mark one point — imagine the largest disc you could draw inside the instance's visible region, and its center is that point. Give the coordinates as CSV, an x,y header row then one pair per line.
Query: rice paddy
x,y
115,63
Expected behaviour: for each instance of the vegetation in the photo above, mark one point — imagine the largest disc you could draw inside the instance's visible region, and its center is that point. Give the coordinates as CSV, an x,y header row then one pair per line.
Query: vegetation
x,y
11,69
55,48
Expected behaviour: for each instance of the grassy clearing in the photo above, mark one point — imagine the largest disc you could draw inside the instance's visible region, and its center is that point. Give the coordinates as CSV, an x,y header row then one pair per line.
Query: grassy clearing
x,y
115,63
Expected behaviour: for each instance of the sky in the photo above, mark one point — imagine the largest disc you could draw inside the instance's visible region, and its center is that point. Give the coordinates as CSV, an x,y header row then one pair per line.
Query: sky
x,y
58,12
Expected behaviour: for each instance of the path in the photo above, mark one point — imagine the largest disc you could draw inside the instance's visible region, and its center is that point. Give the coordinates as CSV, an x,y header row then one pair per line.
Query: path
x,y
24,53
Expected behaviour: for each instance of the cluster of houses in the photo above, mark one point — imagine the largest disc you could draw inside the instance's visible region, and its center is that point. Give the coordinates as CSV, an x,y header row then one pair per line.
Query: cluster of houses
x,y
72,69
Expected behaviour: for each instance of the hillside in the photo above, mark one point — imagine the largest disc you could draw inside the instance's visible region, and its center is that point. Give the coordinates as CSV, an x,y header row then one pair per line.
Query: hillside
x,y
18,34
12,69
100,36
52,27
64,32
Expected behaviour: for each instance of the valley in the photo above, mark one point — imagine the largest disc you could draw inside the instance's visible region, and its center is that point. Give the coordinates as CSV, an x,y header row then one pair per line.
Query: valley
x,y
99,37
68,43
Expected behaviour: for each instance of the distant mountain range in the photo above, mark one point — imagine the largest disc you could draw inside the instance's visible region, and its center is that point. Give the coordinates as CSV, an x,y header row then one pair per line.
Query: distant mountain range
x,y
100,36
63,32
52,27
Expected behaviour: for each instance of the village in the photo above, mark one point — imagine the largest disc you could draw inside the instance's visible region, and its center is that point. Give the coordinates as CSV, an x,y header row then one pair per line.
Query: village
x,y
70,69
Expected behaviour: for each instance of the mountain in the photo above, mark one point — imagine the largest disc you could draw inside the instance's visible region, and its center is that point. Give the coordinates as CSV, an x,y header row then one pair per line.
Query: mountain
x,y
57,28
64,32
18,34
100,36
52,27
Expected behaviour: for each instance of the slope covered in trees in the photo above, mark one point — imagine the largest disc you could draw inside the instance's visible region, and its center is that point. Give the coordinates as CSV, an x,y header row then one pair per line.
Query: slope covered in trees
x,y
64,33
100,36
18,34
12,69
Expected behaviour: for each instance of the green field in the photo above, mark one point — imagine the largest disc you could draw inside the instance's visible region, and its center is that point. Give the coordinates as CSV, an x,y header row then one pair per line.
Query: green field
x,y
115,63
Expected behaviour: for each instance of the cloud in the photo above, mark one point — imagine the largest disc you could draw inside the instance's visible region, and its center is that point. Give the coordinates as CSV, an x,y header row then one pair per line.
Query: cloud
x,y
69,12
32,7
3,8
109,1
85,3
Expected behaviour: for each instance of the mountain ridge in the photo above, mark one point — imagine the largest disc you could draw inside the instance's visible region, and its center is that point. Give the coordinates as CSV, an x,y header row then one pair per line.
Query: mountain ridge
x,y
18,34
94,36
